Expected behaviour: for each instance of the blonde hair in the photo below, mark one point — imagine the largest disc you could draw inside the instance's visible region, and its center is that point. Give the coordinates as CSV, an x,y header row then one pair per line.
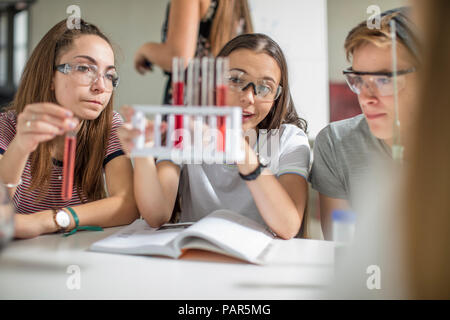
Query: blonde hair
x,y
381,37
229,14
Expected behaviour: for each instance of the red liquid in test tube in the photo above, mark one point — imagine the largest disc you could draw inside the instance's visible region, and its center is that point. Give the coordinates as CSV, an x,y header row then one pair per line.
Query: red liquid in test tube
x,y
68,166
221,98
178,93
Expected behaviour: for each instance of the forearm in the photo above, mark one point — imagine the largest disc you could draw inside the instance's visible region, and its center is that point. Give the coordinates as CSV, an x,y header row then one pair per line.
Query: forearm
x,y
12,164
273,200
151,198
161,54
108,212
276,206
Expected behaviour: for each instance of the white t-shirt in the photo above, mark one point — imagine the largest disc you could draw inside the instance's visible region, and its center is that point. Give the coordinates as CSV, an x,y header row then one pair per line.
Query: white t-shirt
x,y
208,187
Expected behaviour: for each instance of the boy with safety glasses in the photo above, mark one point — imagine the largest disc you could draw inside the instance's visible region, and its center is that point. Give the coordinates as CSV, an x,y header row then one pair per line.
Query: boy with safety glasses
x,y
344,150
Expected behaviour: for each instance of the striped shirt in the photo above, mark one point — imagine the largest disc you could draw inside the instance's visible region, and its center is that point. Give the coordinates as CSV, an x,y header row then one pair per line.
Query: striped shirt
x,y
30,201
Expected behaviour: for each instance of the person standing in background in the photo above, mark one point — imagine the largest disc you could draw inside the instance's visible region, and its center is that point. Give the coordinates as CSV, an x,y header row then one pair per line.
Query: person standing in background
x,y
193,28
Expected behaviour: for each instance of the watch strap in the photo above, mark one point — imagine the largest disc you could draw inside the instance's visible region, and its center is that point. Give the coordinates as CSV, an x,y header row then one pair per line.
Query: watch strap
x,y
77,224
254,174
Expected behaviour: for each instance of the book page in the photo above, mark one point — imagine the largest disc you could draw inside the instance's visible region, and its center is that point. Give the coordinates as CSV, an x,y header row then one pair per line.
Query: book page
x,y
140,238
233,233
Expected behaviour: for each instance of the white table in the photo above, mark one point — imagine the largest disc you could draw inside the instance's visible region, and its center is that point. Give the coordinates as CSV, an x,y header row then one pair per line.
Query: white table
x,y
40,269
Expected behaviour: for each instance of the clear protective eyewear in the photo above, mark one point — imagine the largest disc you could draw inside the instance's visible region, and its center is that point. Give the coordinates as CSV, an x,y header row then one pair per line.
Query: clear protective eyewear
x,y
86,74
379,82
263,89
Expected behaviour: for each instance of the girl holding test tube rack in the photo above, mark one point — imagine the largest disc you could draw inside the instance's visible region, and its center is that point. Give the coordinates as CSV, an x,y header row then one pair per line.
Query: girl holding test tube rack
x,y
66,91
274,195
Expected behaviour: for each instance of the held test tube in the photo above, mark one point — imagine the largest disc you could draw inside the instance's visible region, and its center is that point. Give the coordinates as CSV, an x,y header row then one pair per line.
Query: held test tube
x,y
397,147
207,97
193,99
221,98
138,122
68,165
178,93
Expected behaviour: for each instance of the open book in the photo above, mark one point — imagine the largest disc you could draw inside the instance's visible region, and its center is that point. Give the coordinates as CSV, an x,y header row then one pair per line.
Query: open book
x,y
222,231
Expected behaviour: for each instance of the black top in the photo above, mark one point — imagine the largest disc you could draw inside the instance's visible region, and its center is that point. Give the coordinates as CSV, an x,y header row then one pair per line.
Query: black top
x,y
203,45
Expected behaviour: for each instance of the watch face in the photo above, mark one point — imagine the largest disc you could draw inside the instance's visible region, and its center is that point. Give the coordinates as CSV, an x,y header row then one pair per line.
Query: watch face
x,y
63,219
264,161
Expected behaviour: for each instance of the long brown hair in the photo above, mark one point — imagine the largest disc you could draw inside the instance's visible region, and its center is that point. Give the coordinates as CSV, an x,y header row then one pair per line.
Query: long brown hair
x,y
226,22
283,110
36,86
426,212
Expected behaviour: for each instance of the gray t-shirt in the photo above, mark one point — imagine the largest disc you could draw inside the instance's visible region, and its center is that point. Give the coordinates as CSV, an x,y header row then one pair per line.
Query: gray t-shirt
x,y
208,187
344,152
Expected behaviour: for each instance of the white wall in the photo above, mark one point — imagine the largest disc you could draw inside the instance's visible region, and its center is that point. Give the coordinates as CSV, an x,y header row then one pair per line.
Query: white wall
x,y
310,32
128,24
300,28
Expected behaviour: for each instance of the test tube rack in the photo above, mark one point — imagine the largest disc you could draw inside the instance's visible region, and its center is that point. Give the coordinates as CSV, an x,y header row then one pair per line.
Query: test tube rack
x,y
200,134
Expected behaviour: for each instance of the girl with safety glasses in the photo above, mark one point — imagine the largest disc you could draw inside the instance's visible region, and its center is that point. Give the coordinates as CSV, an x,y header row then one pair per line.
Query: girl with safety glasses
x,y
272,192
67,86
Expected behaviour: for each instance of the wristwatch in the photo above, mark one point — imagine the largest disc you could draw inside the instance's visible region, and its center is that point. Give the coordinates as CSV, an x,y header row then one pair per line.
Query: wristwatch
x,y
62,219
262,163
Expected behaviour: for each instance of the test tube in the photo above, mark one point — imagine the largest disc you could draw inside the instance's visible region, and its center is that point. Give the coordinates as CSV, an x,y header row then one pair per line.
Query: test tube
x,y
157,130
196,86
70,144
198,139
211,79
138,122
221,98
190,84
193,97
189,102
236,134
397,147
212,147
178,93
222,66
204,99
170,131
